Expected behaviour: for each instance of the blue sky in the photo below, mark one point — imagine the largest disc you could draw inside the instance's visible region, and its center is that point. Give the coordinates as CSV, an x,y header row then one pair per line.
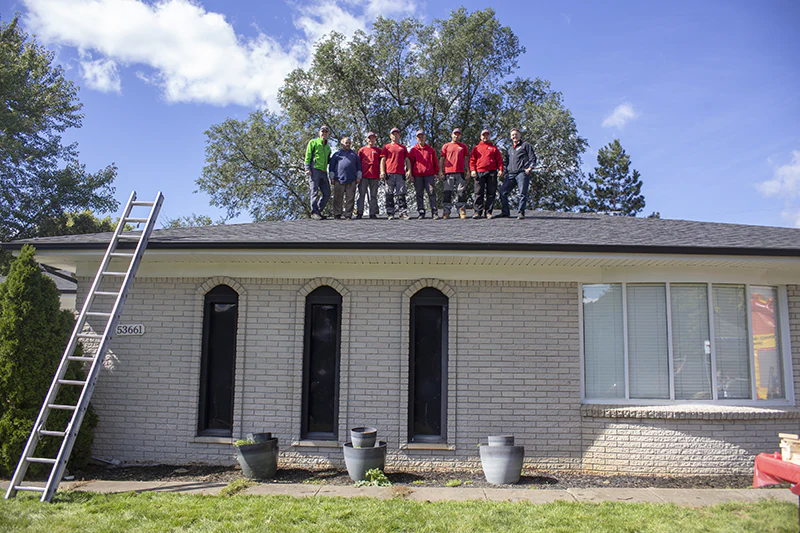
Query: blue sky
x,y
704,95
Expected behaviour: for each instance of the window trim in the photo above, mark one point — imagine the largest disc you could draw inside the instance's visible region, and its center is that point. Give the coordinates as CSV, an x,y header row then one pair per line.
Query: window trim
x,y
443,301
321,295
225,295
783,333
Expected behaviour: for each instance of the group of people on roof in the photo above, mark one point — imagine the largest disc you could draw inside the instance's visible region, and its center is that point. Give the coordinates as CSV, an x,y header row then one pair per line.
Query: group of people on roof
x,y
349,172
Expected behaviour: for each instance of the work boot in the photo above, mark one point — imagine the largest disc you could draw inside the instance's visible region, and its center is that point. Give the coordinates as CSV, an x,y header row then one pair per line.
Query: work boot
x,y
489,216
521,216
446,215
462,213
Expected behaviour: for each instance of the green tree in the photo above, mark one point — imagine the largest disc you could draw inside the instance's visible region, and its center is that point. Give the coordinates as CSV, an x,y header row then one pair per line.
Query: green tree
x,y
613,187
40,176
33,335
454,72
190,221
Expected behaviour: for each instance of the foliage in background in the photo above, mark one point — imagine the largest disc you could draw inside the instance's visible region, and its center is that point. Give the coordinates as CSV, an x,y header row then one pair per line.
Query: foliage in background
x,y
40,176
190,221
33,334
614,187
454,72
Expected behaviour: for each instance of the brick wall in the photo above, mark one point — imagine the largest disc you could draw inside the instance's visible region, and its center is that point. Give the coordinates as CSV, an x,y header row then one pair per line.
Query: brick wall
x,y
514,368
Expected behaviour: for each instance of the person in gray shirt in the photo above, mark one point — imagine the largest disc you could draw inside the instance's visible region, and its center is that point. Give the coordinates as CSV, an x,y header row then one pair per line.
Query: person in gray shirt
x,y
519,164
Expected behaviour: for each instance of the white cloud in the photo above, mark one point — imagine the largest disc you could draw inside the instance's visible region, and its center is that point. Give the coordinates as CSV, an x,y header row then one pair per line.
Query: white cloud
x,y
195,55
623,114
785,181
792,217
101,74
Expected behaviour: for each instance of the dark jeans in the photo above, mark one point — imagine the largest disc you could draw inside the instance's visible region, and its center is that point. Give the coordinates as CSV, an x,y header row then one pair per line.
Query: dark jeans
x,y
396,186
422,184
454,182
485,186
320,189
509,184
368,186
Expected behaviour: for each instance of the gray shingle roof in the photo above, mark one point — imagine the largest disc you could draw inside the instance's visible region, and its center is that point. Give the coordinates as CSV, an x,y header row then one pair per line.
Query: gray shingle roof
x,y
541,231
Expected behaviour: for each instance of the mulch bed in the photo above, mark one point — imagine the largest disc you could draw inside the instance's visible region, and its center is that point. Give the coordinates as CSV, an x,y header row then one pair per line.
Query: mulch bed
x,y
434,478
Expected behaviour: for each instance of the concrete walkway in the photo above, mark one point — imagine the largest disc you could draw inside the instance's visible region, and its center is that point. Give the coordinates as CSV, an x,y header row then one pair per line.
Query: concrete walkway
x,y
691,497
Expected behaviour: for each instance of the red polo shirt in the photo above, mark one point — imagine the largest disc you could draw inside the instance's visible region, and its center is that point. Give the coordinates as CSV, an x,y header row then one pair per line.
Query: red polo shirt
x,y
395,155
370,162
485,157
454,154
423,161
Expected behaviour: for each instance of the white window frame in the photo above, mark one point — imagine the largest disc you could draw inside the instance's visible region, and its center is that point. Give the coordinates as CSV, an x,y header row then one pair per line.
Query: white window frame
x,y
782,316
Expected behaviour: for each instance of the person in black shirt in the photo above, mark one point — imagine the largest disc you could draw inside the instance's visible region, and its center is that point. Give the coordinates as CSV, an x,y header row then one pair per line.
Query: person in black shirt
x,y
519,164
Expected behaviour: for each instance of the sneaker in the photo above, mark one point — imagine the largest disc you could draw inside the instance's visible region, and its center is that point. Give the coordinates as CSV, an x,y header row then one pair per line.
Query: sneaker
x,y
323,217
348,218
420,216
359,217
316,216
521,216
390,217
337,217
435,216
446,215
489,216
462,213
476,216
405,216
503,215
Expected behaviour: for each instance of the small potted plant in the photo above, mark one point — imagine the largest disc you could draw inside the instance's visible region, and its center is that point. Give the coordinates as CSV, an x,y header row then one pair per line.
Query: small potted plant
x,y
258,455
501,460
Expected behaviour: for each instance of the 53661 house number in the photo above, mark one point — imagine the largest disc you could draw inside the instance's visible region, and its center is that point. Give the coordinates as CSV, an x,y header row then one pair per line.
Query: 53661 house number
x,y
130,329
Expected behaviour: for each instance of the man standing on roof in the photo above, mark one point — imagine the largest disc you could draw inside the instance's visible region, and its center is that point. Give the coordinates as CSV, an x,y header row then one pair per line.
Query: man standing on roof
x,y
424,168
486,165
520,162
370,156
344,170
394,166
318,153
453,164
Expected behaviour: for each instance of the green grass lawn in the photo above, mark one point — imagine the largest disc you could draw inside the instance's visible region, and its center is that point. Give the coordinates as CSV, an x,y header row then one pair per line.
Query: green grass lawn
x,y
150,512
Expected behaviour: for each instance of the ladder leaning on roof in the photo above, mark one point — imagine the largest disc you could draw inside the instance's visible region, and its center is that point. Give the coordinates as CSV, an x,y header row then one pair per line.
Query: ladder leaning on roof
x,y
70,432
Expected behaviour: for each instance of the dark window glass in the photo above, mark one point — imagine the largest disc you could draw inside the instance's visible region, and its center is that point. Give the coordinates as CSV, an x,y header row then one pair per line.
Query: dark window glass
x,y
218,362
428,366
321,364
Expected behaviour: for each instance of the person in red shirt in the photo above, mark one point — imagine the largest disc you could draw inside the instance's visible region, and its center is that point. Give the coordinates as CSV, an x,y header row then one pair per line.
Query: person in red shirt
x,y
424,168
453,167
394,167
370,176
486,165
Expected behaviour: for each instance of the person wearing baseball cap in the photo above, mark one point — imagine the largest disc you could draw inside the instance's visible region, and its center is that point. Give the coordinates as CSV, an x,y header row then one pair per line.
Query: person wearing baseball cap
x,y
318,154
424,169
345,173
453,167
370,156
394,167
486,165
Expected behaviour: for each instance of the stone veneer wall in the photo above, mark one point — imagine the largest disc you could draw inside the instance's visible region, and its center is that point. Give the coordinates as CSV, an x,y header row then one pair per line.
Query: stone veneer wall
x,y
513,368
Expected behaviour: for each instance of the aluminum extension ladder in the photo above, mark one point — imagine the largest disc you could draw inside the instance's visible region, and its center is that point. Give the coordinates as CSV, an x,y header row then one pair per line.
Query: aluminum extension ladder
x,y
70,432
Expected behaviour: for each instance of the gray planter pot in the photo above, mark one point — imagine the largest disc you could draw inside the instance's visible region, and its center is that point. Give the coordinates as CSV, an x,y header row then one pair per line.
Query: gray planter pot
x,y
360,460
363,437
501,460
259,460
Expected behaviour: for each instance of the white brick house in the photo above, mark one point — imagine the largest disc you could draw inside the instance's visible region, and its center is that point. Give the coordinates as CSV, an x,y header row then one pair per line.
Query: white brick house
x,y
602,343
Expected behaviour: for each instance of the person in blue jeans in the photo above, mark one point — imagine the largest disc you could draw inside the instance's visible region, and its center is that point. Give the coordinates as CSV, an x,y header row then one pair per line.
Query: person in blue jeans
x,y
519,164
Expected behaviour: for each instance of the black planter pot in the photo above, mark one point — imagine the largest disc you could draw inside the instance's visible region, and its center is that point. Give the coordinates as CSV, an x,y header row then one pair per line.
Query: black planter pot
x,y
363,437
259,460
361,460
501,460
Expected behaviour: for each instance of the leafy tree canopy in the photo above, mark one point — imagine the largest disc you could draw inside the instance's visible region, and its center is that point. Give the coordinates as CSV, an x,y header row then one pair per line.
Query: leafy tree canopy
x,y
190,221
613,187
40,176
455,72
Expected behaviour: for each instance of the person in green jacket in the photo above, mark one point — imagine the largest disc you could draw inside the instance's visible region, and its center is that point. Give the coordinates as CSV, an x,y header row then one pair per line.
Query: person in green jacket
x,y
318,154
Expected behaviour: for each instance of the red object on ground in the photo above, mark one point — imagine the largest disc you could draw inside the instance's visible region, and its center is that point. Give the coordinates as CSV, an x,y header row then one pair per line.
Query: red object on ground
x,y
771,469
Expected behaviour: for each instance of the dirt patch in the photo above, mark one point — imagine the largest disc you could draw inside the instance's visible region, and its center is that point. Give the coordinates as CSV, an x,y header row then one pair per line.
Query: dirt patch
x,y
434,478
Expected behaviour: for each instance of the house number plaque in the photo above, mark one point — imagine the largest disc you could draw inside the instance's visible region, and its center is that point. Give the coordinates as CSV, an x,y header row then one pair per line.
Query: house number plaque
x,y
130,329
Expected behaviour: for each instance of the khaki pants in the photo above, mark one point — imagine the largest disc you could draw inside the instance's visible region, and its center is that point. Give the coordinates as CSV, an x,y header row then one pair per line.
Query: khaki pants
x,y
348,194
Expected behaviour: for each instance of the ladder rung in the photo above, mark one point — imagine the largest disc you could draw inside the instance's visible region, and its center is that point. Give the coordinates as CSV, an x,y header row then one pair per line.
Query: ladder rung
x,y
90,336
97,313
49,433
62,407
131,237
71,382
80,358
105,293
138,220
26,487
149,204
121,254
120,274
41,460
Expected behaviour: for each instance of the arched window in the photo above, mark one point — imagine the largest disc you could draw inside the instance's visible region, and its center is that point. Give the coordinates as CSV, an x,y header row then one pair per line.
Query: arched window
x,y
220,316
427,381
321,364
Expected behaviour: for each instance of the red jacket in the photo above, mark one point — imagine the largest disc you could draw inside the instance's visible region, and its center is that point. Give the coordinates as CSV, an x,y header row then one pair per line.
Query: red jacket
x,y
370,162
423,161
485,157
